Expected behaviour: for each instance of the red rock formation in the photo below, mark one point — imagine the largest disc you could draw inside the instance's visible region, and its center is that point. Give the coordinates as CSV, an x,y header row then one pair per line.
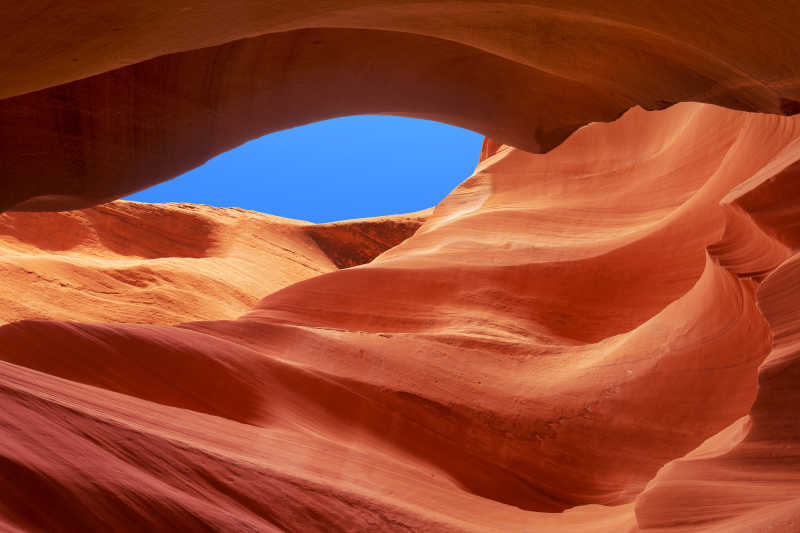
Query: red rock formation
x,y
602,338
747,477
169,263
103,100
559,329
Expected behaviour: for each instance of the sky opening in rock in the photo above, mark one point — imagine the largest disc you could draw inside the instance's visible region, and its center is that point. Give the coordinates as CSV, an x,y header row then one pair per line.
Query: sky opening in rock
x,y
343,168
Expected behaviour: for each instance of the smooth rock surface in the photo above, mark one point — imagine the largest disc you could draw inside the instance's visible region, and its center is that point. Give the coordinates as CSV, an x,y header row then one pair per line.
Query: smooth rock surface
x,y
169,263
99,100
543,354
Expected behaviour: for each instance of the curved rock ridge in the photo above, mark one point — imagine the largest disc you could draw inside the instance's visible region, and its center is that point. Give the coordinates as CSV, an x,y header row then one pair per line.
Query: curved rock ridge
x,y
542,354
747,477
139,92
169,263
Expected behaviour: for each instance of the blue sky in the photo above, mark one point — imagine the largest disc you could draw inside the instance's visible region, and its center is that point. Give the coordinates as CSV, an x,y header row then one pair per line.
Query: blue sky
x,y
348,167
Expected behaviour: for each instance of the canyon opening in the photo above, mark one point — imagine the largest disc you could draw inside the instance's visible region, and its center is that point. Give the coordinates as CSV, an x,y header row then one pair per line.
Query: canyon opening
x,y
592,328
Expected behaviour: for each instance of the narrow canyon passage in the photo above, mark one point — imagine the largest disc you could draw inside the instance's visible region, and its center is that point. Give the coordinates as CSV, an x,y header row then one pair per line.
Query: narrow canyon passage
x,y
595,331
551,335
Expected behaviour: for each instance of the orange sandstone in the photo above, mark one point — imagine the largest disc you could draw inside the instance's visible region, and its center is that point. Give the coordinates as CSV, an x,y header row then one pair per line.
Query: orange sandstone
x,y
595,333
559,329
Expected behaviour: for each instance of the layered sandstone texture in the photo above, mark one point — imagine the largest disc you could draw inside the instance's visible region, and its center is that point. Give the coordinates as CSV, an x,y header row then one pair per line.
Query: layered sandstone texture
x,y
548,351
101,99
171,263
600,338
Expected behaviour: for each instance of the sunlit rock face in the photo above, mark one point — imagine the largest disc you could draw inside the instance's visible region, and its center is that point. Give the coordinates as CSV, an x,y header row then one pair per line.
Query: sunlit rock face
x,y
559,332
599,338
171,263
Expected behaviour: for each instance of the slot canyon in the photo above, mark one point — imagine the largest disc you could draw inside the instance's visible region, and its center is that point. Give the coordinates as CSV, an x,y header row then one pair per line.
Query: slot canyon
x,y
598,331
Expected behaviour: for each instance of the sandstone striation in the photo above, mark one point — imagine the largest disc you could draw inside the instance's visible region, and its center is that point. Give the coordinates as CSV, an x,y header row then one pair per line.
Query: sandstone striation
x,y
169,263
544,353
596,332
139,92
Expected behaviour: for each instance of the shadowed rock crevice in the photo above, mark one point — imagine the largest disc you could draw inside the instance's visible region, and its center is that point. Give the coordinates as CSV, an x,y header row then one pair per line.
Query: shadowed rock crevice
x,y
355,242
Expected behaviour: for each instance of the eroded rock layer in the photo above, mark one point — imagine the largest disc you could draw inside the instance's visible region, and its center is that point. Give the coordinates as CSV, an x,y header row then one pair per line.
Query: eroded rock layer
x,y
99,100
747,477
169,263
548,352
